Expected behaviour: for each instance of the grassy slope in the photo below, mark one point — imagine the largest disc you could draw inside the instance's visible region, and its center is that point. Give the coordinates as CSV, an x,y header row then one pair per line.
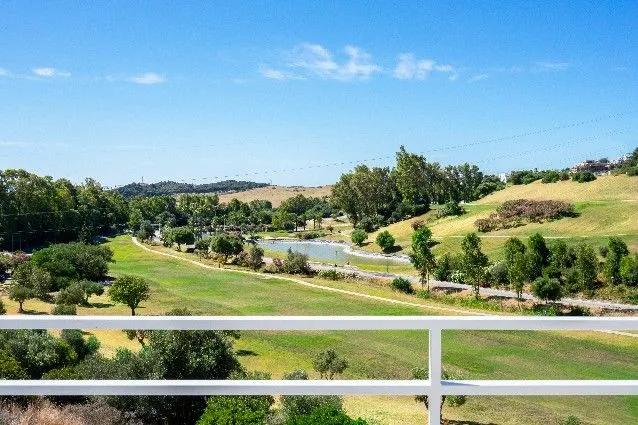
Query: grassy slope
x,y
276,194
607,206
386,354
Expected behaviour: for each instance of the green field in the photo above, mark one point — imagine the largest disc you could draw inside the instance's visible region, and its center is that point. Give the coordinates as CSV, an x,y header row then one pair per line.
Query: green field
x,y
388,354
606,207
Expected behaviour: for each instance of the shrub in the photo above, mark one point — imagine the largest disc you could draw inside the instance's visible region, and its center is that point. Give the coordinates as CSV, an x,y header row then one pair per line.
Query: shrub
x,y
550,176
236,410
629,270
72,295
584,177
359,236
385,240
325,416
417,224
64,310
402,285
10,368
295,406
497,274
444,268
329,363
450,209
276,266
331,274
297,263
254,257
310,235
458,276
516,212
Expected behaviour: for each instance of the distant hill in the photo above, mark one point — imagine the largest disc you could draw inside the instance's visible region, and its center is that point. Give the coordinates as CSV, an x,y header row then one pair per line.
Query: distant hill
x,y
171,188
277,194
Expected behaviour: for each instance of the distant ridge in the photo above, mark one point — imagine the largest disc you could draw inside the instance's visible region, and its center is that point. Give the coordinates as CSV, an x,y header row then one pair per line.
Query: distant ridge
x,y
171,188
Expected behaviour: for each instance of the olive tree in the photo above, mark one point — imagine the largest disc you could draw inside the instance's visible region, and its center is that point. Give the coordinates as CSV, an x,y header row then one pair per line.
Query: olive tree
x,y
473,261
329,363
452,400
422,257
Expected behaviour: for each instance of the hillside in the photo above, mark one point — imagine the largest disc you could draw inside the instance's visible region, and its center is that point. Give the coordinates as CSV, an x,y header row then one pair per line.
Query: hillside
x,y
171,188
604,188
276,194
605,207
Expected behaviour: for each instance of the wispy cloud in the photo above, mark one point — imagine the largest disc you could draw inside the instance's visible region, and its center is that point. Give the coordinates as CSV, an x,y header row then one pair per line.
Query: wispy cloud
x,y
551,66
4,72
276,74
148,78
410,68
50,72
479,77
315,61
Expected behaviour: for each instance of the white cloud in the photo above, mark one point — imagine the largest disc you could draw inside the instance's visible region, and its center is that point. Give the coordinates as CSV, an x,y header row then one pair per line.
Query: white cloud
x,y
479,78
50,72
276,74
4,72
410,68
146,79
551,66
314,60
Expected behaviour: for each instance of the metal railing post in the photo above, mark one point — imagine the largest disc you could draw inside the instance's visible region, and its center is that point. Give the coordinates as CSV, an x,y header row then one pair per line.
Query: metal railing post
x,y
434,373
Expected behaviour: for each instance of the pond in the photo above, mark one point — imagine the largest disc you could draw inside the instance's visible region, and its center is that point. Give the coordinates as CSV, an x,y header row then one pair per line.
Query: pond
x,y
331,252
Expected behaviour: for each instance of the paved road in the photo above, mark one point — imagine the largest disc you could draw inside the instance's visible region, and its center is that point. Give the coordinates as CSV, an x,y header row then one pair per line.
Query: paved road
x,y
502,293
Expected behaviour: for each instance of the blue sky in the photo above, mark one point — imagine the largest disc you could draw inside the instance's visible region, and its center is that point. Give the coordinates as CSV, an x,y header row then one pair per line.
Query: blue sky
x,y
202,91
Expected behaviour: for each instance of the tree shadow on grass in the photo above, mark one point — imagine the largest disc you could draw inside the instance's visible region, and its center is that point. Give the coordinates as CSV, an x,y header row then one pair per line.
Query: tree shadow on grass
x,y
393,249
457,422
99,305
250,353
34,313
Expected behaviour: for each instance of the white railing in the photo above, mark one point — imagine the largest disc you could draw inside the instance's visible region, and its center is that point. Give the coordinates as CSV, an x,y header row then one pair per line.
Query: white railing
x,y
434,387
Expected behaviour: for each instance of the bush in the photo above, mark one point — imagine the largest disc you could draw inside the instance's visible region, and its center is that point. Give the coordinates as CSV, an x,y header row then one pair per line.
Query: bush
x,y
277,266
516,212
331,275
297,263
571,420
417,224
325,416
72,295
295,406
310,235
450,209
385,240
359,236
64,310
550,176
497,274
584,177
402,285
10,368
236,410
629,270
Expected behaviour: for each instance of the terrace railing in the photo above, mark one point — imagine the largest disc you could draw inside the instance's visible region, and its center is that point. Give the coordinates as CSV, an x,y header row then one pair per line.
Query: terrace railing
x,y
434,387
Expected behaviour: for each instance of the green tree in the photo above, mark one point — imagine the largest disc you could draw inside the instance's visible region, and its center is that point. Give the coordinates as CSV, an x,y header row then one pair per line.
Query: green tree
x,y
473,261
145,230
402,284
10,368
629,270
33,277
385,240
617,250
226,245
20,294
182,236
422,257
561,256
538,255
547,289
359,236
329,363
513,246
444,268
517,273
293,405
297,263
90,288
130,290
586,265
255,257
454,401
3,310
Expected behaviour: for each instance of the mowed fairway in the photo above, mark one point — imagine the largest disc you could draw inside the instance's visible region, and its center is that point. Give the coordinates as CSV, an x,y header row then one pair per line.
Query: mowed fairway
x,y
496,355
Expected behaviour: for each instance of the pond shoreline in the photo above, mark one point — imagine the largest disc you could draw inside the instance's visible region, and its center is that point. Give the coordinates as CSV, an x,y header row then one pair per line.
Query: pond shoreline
x,y
347,248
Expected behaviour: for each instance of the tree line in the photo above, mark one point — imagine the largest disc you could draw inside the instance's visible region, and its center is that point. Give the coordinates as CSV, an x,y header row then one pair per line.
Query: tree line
x,y
132,190
373,197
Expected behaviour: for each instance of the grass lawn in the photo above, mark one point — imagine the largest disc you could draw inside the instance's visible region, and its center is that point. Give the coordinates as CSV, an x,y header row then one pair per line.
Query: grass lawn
x,y
383,354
